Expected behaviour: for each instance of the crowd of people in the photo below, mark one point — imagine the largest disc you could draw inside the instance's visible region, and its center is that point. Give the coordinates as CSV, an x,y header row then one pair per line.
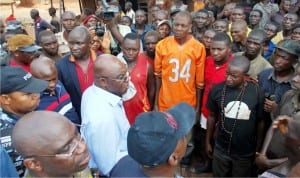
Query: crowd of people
x,y
129,93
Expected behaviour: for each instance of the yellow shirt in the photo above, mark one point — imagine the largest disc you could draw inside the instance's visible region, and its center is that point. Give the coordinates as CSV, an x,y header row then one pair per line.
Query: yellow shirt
x,y
277,38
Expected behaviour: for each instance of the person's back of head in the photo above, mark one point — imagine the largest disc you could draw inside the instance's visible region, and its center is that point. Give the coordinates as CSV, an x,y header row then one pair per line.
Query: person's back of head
x,y
52,11
52,145
34,13
157,139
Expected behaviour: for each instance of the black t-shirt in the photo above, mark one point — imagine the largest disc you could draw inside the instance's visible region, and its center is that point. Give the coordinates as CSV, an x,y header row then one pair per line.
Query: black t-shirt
x,y
241,118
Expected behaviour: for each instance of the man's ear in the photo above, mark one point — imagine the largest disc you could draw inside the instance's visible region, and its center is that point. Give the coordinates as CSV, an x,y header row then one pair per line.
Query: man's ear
x,y
4,99
33,165
173,160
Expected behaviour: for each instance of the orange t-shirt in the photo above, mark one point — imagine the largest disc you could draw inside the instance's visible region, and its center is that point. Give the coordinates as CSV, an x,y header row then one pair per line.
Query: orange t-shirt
x,y
181,68
198,5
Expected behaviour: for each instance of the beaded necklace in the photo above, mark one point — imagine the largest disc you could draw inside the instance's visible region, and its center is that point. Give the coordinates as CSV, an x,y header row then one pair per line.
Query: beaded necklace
x,y
238,98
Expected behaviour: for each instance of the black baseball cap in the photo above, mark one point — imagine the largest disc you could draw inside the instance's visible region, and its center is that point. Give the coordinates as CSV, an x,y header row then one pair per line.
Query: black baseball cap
x,y
17,79
290,46
154,135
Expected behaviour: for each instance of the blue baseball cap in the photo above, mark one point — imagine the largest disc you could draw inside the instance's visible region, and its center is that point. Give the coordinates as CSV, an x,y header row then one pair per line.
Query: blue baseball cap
x,y
17,79
154,135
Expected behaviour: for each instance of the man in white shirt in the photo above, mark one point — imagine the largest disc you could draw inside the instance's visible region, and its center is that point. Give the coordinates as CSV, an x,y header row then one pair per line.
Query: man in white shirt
x,y
103,114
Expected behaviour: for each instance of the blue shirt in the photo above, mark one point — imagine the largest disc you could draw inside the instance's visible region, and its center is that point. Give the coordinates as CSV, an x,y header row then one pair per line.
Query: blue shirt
x,y
127,167
271,48
267,81
7,166
146,29
7,123
106,128
60,102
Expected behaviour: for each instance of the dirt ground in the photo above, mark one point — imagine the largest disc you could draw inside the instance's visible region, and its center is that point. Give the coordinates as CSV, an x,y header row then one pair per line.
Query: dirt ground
x,y
23,13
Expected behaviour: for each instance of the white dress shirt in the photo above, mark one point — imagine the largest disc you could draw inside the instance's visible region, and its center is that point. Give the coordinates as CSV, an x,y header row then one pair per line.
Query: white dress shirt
x,y
106,128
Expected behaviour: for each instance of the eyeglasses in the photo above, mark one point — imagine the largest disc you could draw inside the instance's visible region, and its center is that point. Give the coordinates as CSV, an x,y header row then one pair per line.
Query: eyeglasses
x,y
124,78
72,150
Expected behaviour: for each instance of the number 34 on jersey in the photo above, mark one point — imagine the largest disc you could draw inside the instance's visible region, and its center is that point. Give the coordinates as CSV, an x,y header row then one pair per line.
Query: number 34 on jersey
x,y
180,72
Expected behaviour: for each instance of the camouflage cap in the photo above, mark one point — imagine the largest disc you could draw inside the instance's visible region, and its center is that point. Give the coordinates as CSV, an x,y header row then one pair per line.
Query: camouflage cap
x,y
22,42
290,46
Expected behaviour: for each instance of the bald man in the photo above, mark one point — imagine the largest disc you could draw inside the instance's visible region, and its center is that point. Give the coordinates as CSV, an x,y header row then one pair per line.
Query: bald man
x,y
238,106
50,144
75,71
55,97
103,114
238,32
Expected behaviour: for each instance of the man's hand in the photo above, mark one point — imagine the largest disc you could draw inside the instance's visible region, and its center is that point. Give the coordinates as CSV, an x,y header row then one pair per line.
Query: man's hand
x,y
270,105
105,42
208,150
262,161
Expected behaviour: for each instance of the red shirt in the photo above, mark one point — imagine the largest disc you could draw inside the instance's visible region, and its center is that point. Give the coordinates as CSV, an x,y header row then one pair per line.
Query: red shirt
x,y
85,79
140,102
25,67
144,56
212,75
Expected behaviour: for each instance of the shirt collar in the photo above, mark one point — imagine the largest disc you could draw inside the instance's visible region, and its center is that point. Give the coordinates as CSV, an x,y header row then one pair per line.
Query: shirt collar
x,y
9,117
112,99
272,77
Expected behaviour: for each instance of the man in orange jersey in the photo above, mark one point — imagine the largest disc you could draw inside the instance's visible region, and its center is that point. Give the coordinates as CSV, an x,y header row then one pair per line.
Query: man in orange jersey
x,y
179,66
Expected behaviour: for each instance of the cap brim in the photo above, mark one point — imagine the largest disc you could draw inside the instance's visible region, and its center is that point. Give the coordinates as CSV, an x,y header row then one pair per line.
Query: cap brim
x,y
12,27
185,116
287,50
31,48
174,12
35,86
164,22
